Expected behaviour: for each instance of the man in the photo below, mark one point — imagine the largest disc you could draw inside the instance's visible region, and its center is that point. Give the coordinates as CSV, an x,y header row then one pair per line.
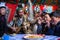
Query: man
x,y
2,20
56,18
17,21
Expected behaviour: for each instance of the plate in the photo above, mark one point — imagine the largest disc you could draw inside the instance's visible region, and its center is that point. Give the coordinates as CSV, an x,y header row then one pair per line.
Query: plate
x,y
34,37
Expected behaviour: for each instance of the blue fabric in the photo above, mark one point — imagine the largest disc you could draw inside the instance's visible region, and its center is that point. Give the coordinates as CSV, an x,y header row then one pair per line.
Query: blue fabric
x,y
20,37
50,31
57,29
39,29
5,37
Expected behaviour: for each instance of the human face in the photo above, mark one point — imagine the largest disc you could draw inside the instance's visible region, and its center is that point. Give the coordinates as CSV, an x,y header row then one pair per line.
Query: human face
x,y
36,15
21,13
54,19
47,17
2,11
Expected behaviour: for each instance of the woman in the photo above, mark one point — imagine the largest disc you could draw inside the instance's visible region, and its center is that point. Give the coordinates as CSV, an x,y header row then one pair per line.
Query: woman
x,y
48,29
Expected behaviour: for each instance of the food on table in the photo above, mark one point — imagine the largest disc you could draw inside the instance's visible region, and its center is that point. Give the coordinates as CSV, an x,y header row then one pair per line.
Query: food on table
x,y
34,36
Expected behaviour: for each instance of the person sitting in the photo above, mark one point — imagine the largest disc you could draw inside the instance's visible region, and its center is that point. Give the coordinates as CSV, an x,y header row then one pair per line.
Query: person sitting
x,y
3,25
37,27
17,21
56,18
47,26
39,24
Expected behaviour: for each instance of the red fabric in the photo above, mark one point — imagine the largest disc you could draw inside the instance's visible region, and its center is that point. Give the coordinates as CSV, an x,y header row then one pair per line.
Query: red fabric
x,y
55,7
41,7
12,8
33,7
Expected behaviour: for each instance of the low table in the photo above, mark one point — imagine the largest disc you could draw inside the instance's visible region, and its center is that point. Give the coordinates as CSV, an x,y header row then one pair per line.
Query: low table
x,y
20,37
